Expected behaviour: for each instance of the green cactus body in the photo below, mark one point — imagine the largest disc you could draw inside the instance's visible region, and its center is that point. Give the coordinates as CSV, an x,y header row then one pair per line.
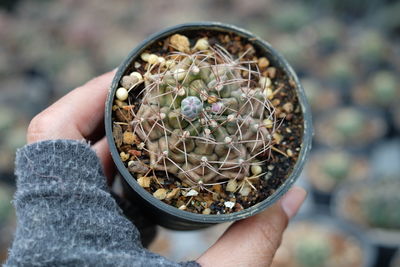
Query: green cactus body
x,y
337,165
200,117
313,251
380,204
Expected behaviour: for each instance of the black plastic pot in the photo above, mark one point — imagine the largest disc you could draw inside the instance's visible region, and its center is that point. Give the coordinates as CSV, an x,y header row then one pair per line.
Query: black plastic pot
x,y
170,216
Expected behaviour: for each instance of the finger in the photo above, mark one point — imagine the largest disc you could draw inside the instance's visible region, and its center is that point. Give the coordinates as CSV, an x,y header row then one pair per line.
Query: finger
x,y
253,241
103,152
74,116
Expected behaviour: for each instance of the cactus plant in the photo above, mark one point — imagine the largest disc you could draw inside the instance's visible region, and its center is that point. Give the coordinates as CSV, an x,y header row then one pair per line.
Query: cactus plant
x,y
320,242
206,115
380,205
203,120
330,168
350,126
313,251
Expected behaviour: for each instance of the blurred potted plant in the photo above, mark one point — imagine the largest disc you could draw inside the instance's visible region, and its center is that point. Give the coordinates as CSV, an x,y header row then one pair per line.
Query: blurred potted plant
x,y
350,127
321,98
373,206
382,89
327,169
322,241
206,123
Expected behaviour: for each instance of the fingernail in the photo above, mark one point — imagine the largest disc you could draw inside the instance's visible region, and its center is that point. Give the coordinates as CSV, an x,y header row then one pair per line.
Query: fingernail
x,y
292,201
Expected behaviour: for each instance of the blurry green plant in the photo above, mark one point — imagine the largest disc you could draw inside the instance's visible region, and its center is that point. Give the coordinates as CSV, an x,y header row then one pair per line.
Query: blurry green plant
x,y
385,87
370,47
340,70
349,122
291,17
336,166
312,251
380,204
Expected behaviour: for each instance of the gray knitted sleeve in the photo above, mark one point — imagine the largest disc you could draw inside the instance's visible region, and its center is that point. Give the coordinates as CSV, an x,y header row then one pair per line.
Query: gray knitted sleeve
x,y
66,215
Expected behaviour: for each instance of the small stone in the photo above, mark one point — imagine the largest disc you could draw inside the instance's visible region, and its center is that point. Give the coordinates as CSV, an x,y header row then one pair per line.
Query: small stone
x,y
256,169
229,204
180,42
145,56
289,152
182,207
245,191
124,156
122,94
144,181
192,193
271,72
268,93
231,186
152,59
268,123
277,137
271,167
201,44
206,211
129,138
288,107
263,62
141,146
265,82
160,194
136,166
216,188
138,77
173,194
128,81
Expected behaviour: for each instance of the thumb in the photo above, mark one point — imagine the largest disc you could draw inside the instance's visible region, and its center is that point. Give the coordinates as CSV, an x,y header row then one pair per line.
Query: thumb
x,y
254,241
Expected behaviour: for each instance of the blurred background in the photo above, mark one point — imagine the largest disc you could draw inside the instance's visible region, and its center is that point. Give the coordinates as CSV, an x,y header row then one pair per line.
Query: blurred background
x,y
347,54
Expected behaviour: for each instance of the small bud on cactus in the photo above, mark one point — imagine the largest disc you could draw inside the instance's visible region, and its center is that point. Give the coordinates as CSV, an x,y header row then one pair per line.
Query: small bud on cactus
x,y
191,107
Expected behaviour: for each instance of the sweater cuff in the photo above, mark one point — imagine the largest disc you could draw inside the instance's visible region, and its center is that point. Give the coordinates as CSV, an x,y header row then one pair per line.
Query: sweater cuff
x,y
51,163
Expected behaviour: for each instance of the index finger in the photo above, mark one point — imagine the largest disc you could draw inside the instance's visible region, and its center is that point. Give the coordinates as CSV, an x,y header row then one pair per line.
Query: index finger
x,y
74,116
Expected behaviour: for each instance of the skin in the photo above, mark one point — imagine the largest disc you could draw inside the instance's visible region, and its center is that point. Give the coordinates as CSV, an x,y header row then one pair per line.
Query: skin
x,y
79,115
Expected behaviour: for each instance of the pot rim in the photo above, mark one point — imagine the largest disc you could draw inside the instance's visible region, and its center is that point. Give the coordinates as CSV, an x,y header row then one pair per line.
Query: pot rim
x,y
215,218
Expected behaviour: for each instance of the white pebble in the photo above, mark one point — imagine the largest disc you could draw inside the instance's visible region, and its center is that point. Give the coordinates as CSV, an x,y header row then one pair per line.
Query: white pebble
x,y
153,59
229,204
231,186
160,194
122,94
137,75
145,56
256,169
265,82
192,193
245,191
201,44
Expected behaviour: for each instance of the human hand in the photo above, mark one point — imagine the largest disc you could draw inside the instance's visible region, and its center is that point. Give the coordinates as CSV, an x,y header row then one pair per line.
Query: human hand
x,y
79,115
254,241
